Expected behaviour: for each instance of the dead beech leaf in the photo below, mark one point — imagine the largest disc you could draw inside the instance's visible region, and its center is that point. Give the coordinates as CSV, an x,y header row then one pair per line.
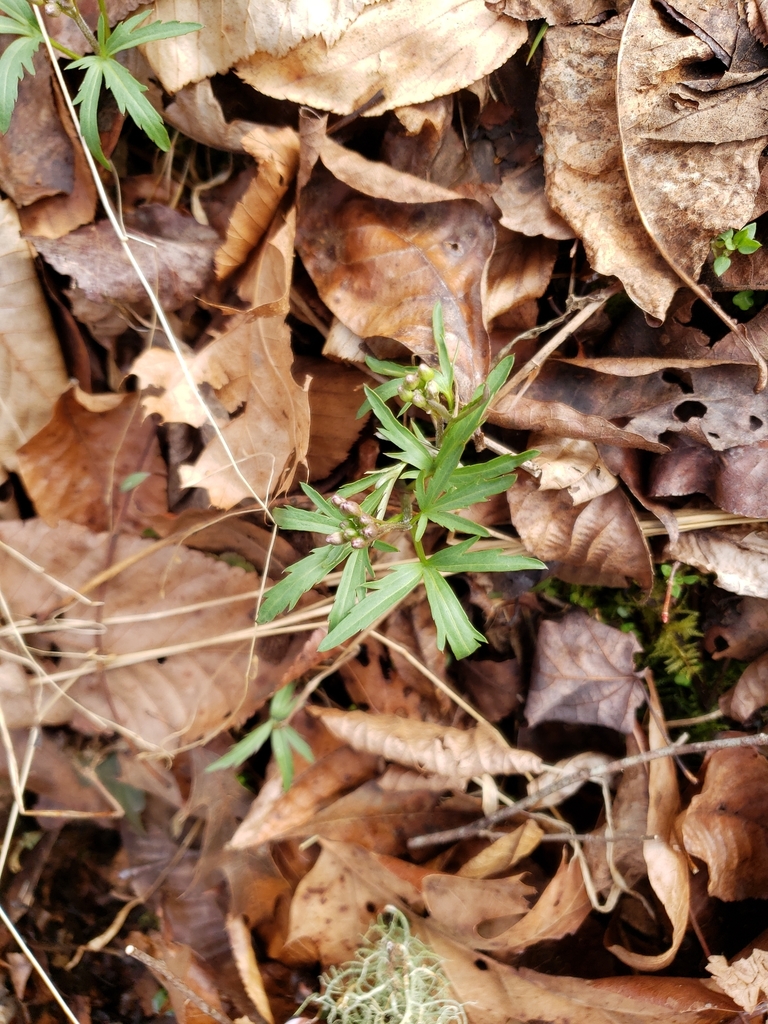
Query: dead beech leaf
x,y
600,542
492,991
413,50
32,372
584,671
455,753
560,910
524,205
197,113
503,853
687,191
276,150
573,465
567,766
173,250
73,467
462,905
666,862
381,266
555,12
744,980
749,694
735,480
274,26
726,825
335,395
161,700
738,557
583,162
338,899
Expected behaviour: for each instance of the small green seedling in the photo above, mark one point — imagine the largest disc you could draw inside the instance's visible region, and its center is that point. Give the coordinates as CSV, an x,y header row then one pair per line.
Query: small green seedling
x,y
729,241
429,484
744,300
101,67
283,736
536,41
395,977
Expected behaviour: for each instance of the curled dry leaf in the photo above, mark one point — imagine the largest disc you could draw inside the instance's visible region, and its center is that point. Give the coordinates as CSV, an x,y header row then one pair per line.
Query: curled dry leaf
x,y
600,541
742,632
744,980
503,853
666,862
32,372
143,681
688,191
749,694
382,266
455,753
738,557
726,825
248,966
555,12
335,395
583,161
573,465
520,270
197,113
73,467
584,671
276,150
524,205
412,50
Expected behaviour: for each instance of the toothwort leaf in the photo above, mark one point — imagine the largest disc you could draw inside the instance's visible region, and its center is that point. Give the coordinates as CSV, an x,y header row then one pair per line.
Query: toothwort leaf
x,y
16,59
450,618
384,594
128,34
300,578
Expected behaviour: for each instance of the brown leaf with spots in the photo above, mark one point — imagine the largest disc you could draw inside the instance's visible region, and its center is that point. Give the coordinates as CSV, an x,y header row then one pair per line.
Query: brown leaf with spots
x,y
584,671
465,907
382,266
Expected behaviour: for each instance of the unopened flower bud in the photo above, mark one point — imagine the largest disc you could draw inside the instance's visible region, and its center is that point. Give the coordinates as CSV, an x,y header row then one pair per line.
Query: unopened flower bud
x,y
350,507
350,533
432,389
371,532
426,372
411,379
359,542
419,400
337,500
52,10
365,520
334,538
405,393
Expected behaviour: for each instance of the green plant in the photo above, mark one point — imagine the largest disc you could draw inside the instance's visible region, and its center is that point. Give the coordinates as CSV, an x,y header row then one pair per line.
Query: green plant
x,y
101,67
744,300
729,241
431,485
276,728
395,978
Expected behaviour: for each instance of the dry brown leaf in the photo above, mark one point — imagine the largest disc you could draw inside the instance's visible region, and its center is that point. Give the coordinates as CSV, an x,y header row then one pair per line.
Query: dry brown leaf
x,y
573,465
560,910
726,825
338,899
555,12
462,906
665,859
599,543
492,991
233,33
584,671
738,556
248,966
503,853
73,467
524,205
583,161
163,699
520,270
742,632
335,396
191,970
588,759
412,50
687,192
32,372
317,786
381,266
174,252
749,694
197,113
744,980
454,753
276,150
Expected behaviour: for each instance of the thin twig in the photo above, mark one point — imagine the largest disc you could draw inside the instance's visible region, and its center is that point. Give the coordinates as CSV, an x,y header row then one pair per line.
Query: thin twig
x,y
158,967
584,775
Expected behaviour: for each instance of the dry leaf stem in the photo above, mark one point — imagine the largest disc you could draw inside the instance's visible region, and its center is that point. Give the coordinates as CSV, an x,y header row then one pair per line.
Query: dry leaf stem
x,y
584,775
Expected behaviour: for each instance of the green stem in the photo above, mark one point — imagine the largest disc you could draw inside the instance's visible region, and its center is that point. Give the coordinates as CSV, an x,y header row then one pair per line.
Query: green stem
x,y
419,548
65,50
72,11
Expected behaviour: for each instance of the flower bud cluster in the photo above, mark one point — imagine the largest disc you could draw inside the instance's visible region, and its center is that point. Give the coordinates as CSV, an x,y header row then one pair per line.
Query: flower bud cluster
x,y
359,529
422,390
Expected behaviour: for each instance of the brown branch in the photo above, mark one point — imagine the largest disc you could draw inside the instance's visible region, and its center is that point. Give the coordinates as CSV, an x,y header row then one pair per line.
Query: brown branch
x,y
158,967
584,775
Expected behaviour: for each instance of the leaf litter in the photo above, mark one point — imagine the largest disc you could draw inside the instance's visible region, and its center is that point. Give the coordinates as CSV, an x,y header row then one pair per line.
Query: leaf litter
x,y
337,171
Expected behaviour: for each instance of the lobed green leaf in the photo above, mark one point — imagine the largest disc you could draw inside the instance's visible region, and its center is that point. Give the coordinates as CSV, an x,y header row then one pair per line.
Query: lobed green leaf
x,y
16,59
384,594
300,578
241,751
127,34
289,518
351,586
450,618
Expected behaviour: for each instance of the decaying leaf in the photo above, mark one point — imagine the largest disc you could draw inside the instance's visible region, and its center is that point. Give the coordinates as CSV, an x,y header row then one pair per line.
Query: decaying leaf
x,y
455,753
503,853
738,557
749,694
584,671
524,205
589,760
32,373
412,50
726,824
744,980
463,906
